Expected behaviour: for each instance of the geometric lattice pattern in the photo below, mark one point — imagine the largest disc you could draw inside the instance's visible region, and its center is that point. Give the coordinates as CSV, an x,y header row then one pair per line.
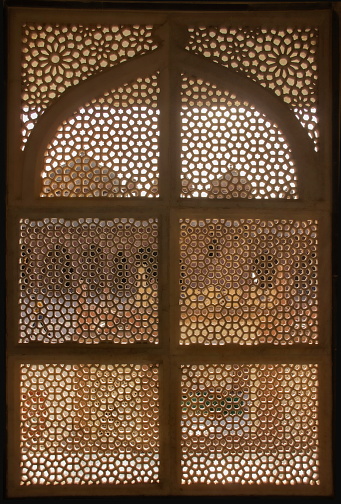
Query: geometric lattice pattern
x,y
250,424
57,56
90,419
89,280
281,60
230,149
248,281
108,147
89,424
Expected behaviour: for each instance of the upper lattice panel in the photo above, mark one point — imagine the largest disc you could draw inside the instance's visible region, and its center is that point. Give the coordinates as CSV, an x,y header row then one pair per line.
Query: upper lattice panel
x,y
108,147
281,60
230,149
57,56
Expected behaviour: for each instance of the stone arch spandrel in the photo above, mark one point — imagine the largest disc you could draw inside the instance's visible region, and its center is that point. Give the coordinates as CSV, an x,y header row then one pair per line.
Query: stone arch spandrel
x,y
306,159
68,103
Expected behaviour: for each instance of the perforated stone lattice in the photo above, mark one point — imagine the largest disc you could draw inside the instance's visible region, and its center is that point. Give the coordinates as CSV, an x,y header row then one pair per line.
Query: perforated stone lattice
x,y
281,60
89,280
248,281
241,281
108,147
89,424
230,149
270,436
57,56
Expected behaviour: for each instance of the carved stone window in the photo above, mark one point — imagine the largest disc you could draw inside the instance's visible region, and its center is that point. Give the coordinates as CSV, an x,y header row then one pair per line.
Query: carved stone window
x,y
169,244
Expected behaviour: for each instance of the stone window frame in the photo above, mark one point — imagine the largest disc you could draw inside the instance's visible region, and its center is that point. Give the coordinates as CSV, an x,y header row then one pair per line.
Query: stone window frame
x,y
23,201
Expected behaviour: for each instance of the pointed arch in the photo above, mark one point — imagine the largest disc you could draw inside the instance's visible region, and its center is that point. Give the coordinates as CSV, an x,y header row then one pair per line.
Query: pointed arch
x,y
299,142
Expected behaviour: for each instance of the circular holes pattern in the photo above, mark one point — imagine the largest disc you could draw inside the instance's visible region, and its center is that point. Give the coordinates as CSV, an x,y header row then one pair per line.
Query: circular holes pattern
x,y
230,149
248,282
281,60
55,57
259,425
89,424
89,280
108,147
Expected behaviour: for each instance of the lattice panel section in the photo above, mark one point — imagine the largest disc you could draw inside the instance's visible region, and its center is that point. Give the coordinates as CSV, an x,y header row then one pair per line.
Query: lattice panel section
x,y
250,424
281,60
248,281
89,424
230,149
108,147
57,56
89,280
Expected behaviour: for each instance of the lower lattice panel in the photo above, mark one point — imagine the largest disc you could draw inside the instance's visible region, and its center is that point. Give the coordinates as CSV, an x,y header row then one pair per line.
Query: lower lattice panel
x,y
250,424
99,424
89,424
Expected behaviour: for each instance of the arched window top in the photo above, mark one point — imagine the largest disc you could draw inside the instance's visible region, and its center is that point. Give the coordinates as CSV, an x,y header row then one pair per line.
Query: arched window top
x,y
264,146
